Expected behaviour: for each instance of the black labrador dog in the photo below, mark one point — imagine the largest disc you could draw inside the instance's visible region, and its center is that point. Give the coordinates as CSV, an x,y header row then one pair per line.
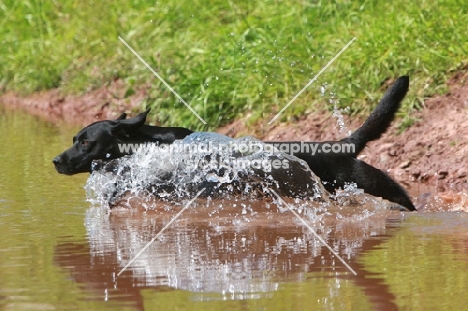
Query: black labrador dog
x,y
100,141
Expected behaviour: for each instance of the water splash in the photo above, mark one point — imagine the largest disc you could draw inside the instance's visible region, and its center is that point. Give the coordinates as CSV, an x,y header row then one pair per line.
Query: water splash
x,y
226,167
337,112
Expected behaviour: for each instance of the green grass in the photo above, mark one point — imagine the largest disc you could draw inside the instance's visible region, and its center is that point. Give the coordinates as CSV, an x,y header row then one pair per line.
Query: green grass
x,y
235,59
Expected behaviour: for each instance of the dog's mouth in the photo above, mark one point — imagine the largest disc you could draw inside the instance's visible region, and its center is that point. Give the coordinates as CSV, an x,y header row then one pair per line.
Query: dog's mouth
x,y
63,166
64,171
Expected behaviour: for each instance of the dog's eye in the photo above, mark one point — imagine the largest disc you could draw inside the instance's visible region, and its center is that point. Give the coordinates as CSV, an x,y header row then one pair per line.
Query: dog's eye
x,y
84,143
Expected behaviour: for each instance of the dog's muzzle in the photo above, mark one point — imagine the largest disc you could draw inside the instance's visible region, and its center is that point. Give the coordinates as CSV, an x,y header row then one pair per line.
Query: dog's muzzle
x,y
57,160
62,166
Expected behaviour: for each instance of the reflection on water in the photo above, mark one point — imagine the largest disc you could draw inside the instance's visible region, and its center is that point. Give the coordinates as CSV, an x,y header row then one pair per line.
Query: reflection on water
x,y
233,255
58,253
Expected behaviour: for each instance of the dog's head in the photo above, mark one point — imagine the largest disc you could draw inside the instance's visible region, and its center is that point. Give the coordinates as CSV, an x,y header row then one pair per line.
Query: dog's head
x,y
98,141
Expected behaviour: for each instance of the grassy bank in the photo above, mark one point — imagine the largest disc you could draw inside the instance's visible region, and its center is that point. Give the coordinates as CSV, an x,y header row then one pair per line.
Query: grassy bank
x,y
234,59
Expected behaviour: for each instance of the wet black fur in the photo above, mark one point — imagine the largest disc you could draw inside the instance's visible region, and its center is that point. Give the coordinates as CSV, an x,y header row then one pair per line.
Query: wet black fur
x,y
99,141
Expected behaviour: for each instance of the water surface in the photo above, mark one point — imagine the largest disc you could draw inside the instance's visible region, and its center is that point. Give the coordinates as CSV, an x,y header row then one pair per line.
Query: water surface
x,y
58,252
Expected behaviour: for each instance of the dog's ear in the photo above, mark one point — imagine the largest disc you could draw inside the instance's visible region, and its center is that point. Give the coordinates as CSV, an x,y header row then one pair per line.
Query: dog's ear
x,y
123,116
127,127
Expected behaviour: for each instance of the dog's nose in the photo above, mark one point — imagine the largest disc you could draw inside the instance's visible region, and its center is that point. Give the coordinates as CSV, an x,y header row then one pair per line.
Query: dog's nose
x,y
56,160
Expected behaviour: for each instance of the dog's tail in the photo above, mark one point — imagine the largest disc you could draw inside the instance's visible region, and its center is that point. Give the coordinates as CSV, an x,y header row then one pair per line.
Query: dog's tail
x,y
382,116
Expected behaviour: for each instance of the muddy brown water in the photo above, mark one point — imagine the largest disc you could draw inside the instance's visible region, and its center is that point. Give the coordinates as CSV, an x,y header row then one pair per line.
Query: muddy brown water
x,y
57,252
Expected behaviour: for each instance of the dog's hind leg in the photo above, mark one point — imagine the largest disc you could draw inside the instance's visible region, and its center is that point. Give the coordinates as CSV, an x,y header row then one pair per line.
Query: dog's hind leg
x,y
335,171
377,183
